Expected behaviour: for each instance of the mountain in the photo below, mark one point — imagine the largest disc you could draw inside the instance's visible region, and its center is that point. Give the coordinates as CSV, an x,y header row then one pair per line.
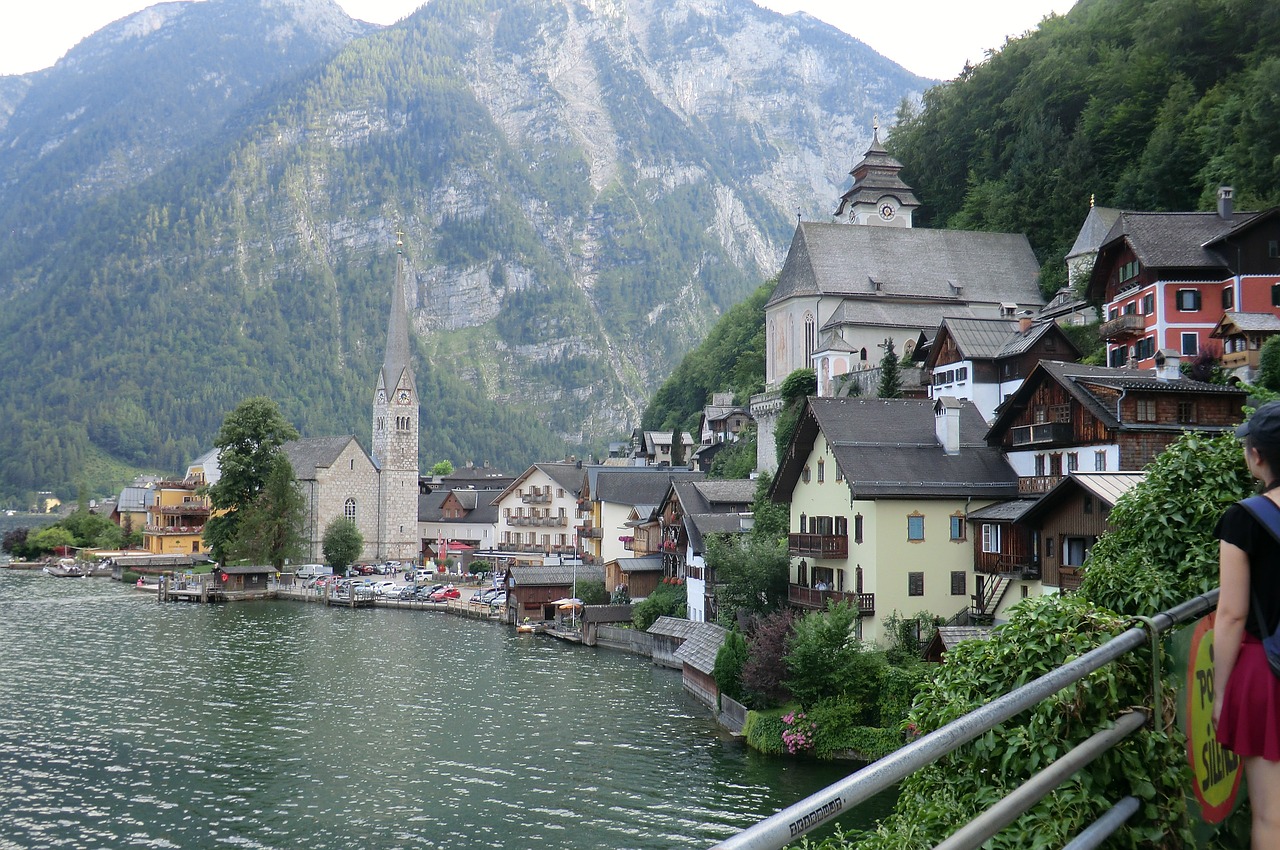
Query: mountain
x,y
200,204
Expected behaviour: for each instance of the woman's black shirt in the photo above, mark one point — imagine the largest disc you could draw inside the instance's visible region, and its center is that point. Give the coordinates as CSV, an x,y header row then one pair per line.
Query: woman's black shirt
x,y
1239,528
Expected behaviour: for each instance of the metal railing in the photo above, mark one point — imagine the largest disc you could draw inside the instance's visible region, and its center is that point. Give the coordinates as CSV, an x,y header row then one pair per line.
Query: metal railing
x,y
821,807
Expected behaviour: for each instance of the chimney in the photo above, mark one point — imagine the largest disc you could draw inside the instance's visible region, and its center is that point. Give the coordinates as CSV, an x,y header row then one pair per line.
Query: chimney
x,y
946,423
1168,365
1224,202
1025,319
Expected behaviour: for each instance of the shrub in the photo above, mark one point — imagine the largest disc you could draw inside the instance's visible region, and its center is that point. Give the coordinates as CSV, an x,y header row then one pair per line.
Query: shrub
x,y
825,660
763,731
728,668
667,600
130,577
764,673
799,733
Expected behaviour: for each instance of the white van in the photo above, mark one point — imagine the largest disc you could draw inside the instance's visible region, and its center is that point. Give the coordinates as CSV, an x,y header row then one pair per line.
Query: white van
x,y
313,571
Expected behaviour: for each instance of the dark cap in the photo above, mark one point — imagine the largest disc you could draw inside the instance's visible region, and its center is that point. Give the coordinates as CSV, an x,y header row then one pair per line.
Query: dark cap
x,y
1263,427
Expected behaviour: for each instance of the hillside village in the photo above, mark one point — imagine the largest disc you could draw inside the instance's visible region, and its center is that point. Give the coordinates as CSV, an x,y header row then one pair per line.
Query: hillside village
x,y
986,482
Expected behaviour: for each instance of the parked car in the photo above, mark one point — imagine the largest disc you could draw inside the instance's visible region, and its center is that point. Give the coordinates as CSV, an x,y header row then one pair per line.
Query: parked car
x,y
495,595
312,571
366,569
382,588
446,593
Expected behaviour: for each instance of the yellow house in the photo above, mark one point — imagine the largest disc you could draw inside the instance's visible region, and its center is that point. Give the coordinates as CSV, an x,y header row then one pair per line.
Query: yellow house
x,y
879,491
175,519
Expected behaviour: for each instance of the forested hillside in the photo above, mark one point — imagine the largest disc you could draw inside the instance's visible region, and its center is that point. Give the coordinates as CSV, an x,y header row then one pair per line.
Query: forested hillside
x,y
1143,104
582,192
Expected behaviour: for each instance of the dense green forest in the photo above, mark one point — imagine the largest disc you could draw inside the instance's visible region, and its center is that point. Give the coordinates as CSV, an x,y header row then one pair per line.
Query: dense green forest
x,y
1141,104
731,358
1138,104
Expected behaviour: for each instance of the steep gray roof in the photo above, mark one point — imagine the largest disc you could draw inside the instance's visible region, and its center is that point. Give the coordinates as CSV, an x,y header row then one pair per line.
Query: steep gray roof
x,y
555,575
953,635
1176,239
646,487
924,316
1097,224
698,526
651,564
890,448
431,506
1256,322
675,627
1107,487
700,649
1010,511
1078,379
135,499
881,263
567,475
396,361
727,491
312,453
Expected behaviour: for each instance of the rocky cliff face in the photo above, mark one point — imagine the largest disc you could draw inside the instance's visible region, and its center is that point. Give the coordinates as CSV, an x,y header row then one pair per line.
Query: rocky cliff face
x,y
583,188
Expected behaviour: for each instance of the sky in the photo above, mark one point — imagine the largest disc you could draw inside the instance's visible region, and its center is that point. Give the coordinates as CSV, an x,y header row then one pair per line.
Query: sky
x,y
932,38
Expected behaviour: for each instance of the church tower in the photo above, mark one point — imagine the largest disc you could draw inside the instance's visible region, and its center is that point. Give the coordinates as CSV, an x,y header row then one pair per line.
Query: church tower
x,y
878,195
395,434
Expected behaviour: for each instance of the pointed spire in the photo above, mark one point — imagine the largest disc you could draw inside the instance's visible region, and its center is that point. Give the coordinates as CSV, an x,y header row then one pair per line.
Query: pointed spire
x,y
397,356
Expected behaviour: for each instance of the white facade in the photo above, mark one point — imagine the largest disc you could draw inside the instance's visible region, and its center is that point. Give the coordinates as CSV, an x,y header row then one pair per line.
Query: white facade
x,y
536,514
1093,458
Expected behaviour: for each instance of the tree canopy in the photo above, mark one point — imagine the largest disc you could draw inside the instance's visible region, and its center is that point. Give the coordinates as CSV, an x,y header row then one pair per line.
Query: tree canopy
x,y
341,544
248,443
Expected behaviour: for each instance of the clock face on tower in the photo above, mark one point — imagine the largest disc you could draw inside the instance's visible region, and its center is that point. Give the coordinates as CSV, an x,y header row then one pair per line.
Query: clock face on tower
x,y
382,396
887,211
403,396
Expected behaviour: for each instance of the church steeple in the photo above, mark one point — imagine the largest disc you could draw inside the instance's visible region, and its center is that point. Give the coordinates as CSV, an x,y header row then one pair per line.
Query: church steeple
x,y
396,361
395,432
878,195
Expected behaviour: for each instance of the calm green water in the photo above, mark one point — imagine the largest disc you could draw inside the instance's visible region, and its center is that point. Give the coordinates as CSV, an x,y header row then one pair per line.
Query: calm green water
x,y
126,723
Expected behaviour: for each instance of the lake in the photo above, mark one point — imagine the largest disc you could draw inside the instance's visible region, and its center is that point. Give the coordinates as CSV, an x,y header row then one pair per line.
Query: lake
x,y
277,724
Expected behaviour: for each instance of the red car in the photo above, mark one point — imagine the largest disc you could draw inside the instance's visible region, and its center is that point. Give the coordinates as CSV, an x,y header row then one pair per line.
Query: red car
x,y
444,593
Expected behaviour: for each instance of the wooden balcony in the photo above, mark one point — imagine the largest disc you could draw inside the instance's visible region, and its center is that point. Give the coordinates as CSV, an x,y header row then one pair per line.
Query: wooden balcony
x,y
1033,484
808,597
1237,359
1041,433
1007,564
1123,327
818,545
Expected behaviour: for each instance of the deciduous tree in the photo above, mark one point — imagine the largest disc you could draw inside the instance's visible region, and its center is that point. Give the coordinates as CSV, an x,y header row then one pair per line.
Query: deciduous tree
x,y
270,529
341,544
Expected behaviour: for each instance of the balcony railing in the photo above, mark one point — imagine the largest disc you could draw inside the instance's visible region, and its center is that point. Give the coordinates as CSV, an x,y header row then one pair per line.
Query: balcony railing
x,y
1123,327
1042,432
174,529
818,545
808,597
536,498
1030,485
1236,359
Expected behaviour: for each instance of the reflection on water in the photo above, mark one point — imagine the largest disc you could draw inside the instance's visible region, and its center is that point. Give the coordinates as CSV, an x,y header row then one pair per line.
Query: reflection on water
x,y
124,722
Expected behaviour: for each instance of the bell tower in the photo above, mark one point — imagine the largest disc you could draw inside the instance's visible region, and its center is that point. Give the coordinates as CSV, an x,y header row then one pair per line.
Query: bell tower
x,y
878,195
395,432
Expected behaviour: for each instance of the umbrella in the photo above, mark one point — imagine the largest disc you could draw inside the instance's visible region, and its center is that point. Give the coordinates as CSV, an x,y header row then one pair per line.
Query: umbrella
x,y
568,603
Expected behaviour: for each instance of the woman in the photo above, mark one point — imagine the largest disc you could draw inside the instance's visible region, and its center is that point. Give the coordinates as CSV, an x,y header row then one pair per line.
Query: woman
x,y
1246,705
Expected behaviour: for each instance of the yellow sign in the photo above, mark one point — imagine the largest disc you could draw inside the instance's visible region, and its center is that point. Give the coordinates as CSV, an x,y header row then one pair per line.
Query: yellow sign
x,y
1217,770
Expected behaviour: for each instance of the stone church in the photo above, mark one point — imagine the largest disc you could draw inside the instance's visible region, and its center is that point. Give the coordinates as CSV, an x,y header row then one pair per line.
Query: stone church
x,y
868,276
378,491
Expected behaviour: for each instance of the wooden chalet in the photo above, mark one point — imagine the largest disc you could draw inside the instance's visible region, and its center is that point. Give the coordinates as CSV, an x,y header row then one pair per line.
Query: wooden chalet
x,y
637,576
1003,553
1243,335
1068,417
1069,519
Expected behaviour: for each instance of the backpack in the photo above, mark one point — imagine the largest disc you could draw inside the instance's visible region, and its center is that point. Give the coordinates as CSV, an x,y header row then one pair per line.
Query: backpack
x,y
1268,516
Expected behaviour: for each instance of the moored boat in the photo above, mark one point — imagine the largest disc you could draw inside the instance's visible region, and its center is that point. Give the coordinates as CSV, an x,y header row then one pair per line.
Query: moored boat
x,y
65,568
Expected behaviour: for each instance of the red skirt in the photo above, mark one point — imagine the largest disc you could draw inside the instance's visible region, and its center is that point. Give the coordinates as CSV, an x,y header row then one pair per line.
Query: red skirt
x,y
1250,723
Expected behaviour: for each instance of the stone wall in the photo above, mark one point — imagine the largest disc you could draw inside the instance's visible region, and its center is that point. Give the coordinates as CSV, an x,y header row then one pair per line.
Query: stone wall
x,y
627,640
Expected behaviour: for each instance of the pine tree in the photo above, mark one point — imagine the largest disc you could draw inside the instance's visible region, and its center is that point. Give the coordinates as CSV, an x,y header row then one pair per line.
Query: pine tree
x,y
890,374
677,447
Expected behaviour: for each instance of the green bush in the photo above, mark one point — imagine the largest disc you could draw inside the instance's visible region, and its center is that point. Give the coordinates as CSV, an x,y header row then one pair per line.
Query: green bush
x,y
898,689
763,731
667,600
130,577
729,662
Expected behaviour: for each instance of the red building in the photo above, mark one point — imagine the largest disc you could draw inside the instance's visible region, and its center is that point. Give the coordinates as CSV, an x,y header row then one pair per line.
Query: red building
x,y
1167,279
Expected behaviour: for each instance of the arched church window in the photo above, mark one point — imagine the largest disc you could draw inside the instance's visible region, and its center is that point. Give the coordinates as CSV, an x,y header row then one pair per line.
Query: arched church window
x,y
863,355
349,509
810,338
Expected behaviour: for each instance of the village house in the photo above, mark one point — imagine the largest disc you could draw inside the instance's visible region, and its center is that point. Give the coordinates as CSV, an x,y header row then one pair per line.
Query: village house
x,y
1166,279
1068,416
536,592
610,495
879,492
450,518
536,511
1243,335
986,360
175,519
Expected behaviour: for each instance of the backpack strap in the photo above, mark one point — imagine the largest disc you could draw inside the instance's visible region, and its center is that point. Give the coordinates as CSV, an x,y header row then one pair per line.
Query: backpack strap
x,y
1268,516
